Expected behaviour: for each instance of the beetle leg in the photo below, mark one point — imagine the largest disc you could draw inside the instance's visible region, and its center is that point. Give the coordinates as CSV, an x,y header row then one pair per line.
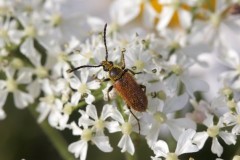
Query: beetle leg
x,y
131,71
105,80
109,90
143,88
139,128
123,59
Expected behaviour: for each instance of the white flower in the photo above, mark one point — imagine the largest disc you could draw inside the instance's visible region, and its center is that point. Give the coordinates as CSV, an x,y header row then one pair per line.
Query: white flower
x,y
160,116
137,59
50,105
83,86
90,118
9,35
80,147
213,131
124,11
233,119
184,145
231,59
11,85
59,56
65,19
217,107
125,143
170,9
178,68
33,30
220,29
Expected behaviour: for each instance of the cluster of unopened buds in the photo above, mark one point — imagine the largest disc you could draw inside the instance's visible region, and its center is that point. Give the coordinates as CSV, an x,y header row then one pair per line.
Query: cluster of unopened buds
x,y
155,72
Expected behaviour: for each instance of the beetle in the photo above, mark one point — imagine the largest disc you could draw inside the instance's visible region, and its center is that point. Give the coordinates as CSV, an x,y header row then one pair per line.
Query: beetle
x,y
124,83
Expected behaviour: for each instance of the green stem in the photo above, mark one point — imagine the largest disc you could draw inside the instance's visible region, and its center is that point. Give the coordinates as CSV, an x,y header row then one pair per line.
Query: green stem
x,y
54,136
130,157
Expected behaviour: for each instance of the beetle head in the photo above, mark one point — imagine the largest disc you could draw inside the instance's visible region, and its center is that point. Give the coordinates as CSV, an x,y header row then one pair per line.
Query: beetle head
x,y
107,65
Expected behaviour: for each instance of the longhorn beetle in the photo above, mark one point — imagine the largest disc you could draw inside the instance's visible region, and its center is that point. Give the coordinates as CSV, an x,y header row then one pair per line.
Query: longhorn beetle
x,y
123,82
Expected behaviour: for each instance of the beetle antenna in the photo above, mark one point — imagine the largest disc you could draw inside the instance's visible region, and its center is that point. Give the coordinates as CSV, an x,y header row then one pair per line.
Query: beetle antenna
x,y
84,66
105,42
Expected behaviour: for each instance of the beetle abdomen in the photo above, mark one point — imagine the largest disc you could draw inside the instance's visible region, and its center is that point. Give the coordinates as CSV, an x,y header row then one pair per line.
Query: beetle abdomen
x,y
131,92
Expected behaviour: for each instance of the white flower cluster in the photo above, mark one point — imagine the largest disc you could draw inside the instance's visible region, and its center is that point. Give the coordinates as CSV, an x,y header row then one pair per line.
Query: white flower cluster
x,y
176,44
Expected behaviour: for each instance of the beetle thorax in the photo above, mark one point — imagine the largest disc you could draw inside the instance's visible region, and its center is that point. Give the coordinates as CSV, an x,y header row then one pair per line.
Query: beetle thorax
x,y
115,73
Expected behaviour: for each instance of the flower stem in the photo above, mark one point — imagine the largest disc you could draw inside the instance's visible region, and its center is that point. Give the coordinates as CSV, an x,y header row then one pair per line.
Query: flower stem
x,y
130,157
54,136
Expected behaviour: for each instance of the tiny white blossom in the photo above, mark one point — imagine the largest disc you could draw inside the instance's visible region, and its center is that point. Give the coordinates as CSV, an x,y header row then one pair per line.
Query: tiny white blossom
x,y
124,11
214,131
80,147
11,85
83,86
184,145
50,105
233,119
127,127
160,116
171,8
90,118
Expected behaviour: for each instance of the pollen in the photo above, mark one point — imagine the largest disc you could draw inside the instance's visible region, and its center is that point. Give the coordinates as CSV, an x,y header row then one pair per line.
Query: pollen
x,y
177,69
99,124
49,99
171,156
83,88
3,33
68,109
56,19
86,135
126,128
215,19
30,31
41,72
62,57
213,131
139,64
160,117
231,104
11,85
17,63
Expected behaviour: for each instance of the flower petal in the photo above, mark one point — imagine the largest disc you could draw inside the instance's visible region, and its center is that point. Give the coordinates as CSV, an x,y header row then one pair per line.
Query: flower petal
x,y
75,98
102,142
216,147
79,148
2,114
200,138
165,17
22,99
160,148
91,111
236,130
123,11
126,144
185,144
93,85
3,97
89,99
24,76
175,103
228,138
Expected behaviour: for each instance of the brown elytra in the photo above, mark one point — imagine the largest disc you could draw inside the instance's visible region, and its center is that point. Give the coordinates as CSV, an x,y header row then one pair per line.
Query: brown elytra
x,y
131,92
